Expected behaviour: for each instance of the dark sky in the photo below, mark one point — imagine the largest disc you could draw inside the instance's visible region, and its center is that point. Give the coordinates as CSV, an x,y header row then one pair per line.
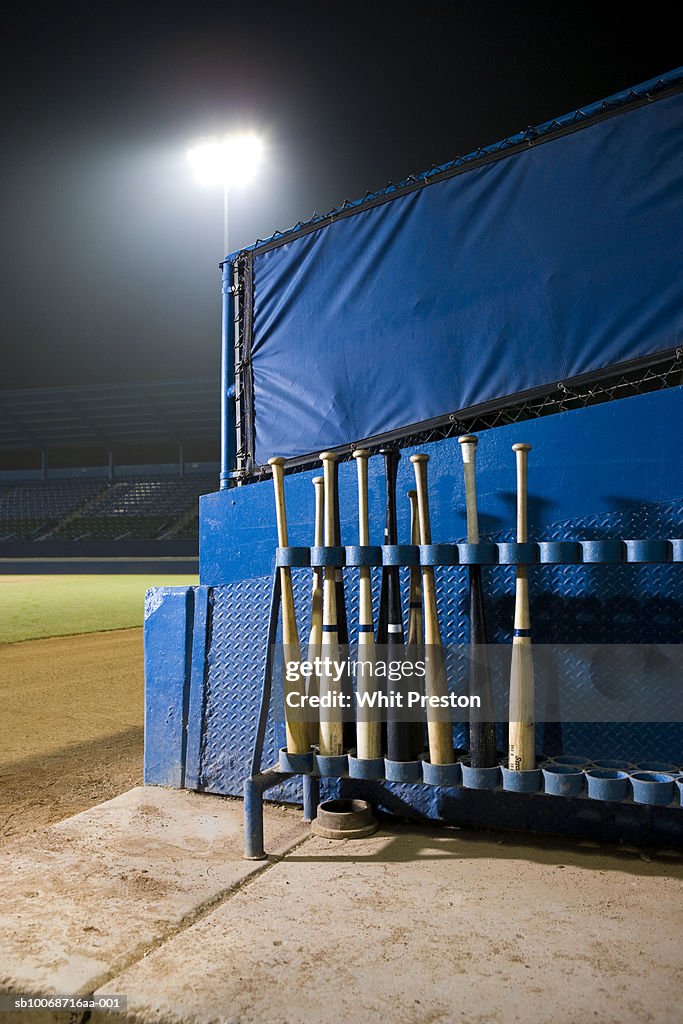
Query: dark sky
x,y
109,248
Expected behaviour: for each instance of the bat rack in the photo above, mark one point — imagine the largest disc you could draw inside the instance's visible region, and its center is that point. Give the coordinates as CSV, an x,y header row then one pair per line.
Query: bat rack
x,y
654,814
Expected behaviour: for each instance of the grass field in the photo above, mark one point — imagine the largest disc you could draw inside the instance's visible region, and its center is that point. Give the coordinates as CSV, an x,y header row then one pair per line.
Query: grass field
x,y
32,607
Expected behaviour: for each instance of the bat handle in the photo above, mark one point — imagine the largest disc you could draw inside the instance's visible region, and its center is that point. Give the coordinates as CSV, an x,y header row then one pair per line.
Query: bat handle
x,y
279,484
392,457
319,484
328,460
361,455
522,453
468,448
420,461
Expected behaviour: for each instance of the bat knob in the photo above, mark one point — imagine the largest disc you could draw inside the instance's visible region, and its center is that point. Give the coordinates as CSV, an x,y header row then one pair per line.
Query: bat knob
x,y
469,439
329,456
318,480
412,494
521,447
360,453
420,457
277,460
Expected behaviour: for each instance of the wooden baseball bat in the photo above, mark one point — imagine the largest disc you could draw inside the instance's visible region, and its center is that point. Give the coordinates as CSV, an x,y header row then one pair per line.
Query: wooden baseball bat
x,y
316,630
368,727
415,643
482,730
298,733
342,623
522,745
440,731
403,737
415,628
331,719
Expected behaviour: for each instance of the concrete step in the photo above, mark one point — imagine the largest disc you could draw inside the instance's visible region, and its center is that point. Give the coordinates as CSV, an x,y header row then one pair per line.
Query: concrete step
x,y
99,891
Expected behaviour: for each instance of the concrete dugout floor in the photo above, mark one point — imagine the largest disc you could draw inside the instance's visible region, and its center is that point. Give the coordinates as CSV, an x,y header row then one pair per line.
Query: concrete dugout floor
x,y
146,896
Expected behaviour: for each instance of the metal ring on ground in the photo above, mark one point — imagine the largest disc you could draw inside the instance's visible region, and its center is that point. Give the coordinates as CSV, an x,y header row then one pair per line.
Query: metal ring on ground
x,y
344,819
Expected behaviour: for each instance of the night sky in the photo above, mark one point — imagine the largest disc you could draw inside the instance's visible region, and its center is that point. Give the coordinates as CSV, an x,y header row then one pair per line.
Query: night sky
x,y
109,248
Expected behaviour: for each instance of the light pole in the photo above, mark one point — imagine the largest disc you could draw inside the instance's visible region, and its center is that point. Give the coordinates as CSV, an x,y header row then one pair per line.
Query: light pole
x,y
229,161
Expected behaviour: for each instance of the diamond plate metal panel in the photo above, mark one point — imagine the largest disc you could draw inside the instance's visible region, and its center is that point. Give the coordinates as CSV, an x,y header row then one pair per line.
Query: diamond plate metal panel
x,y
569,604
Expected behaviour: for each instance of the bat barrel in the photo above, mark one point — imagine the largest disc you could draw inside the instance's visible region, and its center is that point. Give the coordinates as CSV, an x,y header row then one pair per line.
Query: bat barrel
x,y
298,732
331,718
481,727
440,731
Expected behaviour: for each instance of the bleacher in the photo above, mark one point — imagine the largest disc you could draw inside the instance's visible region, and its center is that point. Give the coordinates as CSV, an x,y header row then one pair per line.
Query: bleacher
x,y
137,508
149,451
28,510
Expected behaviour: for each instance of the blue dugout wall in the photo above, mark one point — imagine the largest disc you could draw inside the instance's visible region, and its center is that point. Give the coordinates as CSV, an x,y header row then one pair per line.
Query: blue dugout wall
x,y
610,470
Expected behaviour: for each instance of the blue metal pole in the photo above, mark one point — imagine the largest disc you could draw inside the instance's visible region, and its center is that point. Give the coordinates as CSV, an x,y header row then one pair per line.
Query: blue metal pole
x,y
311,796
253,820
227,373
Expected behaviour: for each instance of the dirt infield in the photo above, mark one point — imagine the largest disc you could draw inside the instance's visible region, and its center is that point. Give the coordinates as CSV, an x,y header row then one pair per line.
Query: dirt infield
x,y
71,731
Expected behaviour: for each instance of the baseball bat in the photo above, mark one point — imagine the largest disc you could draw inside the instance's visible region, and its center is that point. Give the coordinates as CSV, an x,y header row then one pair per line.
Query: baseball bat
x,y
298,733
403,737
415,630
521,743
368,728
482,730
415,643
331,718
316,630
440,731
342,623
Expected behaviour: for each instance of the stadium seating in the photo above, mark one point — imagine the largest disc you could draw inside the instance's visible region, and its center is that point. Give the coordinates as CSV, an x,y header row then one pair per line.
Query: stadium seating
x,y
140,508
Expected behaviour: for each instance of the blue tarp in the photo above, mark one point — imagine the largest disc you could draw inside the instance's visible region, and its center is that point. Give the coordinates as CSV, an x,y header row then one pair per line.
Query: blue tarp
x,y
556,260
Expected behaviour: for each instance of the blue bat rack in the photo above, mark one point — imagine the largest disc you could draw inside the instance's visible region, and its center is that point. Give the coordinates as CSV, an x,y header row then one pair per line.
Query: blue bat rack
x,y
619,804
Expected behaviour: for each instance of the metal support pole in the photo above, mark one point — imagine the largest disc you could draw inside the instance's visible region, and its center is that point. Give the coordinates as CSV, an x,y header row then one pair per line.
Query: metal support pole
x,y
227,349
311,796
253,820
110,463
181,460
43,465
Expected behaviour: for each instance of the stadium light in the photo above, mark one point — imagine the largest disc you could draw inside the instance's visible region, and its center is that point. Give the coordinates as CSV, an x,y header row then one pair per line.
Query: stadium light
x,y
228,160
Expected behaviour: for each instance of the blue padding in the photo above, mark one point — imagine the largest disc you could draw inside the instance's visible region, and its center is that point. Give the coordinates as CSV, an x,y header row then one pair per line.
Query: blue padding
x,y
357,555
169,613
478,554
438,554
677,550
603,550
560,259
559,552
400,554
328,556
517,554
648,550
292,556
